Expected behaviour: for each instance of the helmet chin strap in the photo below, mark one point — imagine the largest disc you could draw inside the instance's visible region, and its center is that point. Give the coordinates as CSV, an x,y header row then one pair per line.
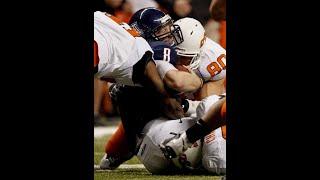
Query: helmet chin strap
x,y
173,44
195,62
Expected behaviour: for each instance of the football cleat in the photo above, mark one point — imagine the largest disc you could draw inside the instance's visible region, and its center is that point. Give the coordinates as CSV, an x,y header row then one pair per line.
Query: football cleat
x,y
109,162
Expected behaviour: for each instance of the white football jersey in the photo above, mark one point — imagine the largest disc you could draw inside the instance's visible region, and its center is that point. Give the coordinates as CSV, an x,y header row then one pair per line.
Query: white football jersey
x,y
163,67
119,48
214,145
206,104
212,61
156,131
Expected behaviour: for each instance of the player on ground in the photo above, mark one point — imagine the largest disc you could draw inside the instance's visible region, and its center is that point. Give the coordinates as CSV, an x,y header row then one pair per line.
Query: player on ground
x,y
209,152
213,119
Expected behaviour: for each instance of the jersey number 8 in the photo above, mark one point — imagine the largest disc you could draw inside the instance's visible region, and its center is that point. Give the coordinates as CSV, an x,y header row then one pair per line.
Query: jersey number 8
x,y
166,54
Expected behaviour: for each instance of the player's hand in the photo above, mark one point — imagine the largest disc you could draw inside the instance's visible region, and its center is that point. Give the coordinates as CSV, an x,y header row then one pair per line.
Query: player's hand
x,y
172,108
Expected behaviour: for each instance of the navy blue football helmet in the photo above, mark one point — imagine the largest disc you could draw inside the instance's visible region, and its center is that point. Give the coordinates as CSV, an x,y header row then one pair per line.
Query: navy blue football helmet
x,y
163,52
149,22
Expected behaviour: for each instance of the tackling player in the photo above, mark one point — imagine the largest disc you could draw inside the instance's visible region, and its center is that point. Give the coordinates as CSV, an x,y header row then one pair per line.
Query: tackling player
x,y
208,60
123,57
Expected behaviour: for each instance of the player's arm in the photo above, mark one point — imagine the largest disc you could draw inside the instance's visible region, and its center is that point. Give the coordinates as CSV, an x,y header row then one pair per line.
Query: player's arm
x,y
214,118
210,88
211,120
178,80
146,73
182,81
172,108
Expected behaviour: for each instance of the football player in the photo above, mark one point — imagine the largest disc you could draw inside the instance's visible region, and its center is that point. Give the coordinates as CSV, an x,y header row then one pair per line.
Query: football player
x,y
209,153
121,56
155,25
204,56
190,55
137,105
208,60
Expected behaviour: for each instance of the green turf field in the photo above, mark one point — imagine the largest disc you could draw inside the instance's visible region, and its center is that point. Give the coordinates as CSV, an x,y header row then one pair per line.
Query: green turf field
x,y
134,173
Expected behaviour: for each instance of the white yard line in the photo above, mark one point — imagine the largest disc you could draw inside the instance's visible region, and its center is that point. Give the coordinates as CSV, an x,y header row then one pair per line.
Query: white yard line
x,y
101,131
122,166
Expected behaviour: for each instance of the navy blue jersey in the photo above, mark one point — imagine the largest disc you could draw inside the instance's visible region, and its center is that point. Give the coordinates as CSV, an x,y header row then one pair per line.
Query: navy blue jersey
x,y
163,52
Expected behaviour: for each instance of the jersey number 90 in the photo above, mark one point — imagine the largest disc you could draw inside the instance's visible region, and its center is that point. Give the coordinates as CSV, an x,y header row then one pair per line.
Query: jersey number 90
x,y
215,68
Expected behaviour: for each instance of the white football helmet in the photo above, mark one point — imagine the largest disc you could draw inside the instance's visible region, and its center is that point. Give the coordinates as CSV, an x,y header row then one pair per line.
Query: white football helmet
x,y
190,158
193,35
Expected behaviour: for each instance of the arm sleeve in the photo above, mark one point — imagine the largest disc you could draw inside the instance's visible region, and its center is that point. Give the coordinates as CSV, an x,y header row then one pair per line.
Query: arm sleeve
x,y
163,67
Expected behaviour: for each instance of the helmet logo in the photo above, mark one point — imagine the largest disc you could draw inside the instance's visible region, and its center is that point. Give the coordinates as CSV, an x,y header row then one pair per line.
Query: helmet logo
x,y
164,19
